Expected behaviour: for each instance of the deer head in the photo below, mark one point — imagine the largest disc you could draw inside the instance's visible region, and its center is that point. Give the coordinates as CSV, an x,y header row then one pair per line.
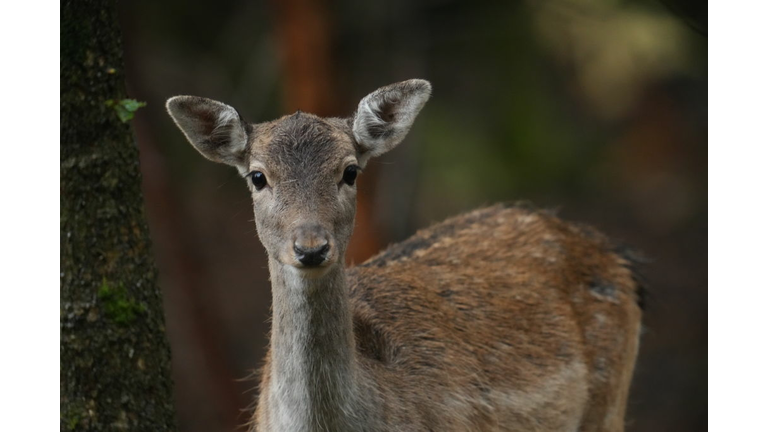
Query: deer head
x,y
301,169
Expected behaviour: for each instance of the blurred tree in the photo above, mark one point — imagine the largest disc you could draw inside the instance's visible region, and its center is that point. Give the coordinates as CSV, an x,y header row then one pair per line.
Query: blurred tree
x,y
115,359
303,32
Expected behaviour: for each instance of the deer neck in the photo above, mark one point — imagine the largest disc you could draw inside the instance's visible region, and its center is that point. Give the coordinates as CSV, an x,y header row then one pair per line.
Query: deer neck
x,y
313,371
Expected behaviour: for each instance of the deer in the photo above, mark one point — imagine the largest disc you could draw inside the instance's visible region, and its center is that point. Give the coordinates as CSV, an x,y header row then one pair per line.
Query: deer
x,y
505,318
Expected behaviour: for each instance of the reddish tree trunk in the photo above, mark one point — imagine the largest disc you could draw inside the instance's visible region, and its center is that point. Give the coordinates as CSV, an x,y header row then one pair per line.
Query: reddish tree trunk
x,y
304,42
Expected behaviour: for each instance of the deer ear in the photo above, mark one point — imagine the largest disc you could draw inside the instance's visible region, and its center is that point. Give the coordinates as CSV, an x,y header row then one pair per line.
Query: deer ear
x,y
384,117
215,129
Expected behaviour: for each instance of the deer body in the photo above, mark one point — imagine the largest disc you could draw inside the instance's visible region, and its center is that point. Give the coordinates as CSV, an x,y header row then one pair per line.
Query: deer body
x,y
505,318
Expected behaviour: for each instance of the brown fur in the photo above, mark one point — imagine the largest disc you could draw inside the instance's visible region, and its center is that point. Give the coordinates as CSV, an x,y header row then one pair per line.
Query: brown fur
x,y
482,323
505,318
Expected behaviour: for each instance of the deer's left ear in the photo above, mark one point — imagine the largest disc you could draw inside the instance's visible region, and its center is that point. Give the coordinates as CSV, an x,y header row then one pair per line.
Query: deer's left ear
x,y
215,129
384,117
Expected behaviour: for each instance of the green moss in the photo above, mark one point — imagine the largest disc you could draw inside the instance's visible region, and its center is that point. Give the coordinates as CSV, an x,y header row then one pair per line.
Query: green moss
x,y
70,418
117,305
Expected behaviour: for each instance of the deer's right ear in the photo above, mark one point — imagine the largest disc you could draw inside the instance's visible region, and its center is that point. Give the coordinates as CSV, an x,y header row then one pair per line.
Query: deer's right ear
x,y
215,129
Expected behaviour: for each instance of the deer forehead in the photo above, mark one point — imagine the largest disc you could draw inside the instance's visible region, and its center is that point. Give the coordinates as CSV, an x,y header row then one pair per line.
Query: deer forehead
x,y
301,144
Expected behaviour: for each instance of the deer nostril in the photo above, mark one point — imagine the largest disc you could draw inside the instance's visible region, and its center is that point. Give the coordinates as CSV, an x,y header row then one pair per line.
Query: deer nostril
x,y
300,249
311,256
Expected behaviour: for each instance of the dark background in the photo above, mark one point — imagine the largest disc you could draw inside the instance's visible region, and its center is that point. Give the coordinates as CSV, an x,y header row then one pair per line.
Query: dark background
x,y
595,107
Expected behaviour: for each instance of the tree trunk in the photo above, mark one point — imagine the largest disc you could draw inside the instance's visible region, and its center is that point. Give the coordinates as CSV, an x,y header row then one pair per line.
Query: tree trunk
x,y
115,359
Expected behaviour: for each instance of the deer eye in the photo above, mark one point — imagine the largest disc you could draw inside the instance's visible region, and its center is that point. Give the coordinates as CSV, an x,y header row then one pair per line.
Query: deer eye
x,y
258,179
350,174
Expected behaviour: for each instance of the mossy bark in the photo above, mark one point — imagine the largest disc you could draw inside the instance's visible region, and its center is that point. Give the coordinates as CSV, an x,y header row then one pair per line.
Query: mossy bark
x,y
115,359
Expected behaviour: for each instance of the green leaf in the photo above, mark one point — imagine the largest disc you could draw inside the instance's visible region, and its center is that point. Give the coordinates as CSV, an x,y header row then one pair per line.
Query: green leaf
x,y
132,105
125,108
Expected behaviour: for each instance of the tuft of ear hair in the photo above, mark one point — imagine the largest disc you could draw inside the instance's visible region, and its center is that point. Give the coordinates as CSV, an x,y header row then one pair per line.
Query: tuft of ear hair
x,y
384,117
215,129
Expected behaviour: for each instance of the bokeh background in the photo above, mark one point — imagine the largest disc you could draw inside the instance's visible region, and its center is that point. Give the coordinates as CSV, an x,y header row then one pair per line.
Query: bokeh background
x,y
597,108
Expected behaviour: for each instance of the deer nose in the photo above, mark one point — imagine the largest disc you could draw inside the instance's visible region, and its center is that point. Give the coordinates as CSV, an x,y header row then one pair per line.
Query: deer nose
x,y
311,245
311,256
